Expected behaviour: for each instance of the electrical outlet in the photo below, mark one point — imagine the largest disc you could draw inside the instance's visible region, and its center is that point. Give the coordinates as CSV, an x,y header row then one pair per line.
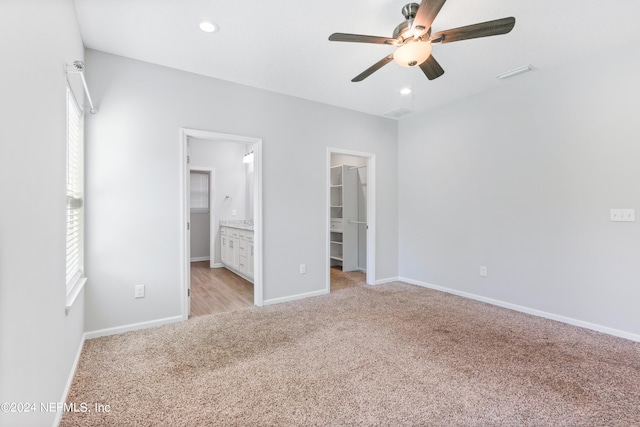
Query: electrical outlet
x,y
234,212
303,268
483,271
622,215
139,293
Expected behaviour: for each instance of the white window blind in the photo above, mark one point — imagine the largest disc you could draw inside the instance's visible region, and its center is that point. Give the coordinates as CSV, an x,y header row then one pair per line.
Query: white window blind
x,y
199,183
75,212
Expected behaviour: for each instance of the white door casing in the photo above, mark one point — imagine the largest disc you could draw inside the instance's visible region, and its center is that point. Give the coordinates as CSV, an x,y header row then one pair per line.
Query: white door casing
x,y
371,213
185,134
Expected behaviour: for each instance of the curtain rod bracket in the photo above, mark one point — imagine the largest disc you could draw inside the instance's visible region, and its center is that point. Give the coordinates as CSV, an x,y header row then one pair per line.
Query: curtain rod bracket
x,y
78,68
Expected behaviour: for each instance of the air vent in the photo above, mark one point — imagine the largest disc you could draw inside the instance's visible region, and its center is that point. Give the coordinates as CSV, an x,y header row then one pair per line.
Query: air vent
x,y
398,112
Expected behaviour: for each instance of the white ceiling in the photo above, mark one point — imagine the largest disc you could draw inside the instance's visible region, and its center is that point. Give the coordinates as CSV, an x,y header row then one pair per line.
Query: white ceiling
x,y
282,46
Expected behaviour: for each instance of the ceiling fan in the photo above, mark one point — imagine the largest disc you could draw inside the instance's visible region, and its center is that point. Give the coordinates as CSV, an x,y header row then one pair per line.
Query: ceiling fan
x,y
414,39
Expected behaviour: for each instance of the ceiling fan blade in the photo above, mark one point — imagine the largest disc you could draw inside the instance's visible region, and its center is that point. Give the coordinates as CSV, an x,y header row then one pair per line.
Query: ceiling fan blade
x,y
431,68
483,29
427,12
359,38
375,67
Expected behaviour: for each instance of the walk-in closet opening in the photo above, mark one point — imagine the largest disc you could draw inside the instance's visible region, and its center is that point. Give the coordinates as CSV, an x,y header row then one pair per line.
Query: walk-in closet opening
x,y
351,231
223,218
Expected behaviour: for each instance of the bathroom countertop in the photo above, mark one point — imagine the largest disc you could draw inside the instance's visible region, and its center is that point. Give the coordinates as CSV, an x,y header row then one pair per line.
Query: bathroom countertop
x,y
242,224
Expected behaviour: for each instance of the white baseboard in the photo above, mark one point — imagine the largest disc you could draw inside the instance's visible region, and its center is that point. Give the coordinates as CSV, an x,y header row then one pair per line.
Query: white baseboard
x,y
295,297
133,327
200,258
387,280
218,265
67,387
528,310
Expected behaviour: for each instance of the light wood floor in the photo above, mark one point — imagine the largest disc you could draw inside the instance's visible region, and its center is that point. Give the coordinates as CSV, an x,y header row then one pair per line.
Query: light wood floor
x,y
217,290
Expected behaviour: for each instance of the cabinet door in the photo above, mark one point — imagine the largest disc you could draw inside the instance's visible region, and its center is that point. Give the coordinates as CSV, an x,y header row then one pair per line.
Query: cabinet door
x,y
232,253
224,250
242,247
242,264
250,259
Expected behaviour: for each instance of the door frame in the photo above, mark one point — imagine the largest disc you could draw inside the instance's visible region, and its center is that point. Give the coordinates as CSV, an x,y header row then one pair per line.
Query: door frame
x,y
371,213
185,286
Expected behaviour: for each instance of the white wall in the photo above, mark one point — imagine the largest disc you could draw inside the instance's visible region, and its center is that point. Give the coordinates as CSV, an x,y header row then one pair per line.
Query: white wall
x,y
230,180
521,180
133,158
38,342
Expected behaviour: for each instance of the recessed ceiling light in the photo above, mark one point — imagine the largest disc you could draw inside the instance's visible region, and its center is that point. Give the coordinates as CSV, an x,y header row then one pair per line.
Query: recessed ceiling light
x,y
405,91
208,27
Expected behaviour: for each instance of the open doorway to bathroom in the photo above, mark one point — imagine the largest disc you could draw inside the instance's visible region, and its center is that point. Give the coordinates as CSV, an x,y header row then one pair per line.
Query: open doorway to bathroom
x,y
223,214
351,232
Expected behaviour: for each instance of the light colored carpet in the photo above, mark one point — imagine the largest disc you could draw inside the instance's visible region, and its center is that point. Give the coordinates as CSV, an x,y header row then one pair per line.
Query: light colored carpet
x,y
342,280
393,354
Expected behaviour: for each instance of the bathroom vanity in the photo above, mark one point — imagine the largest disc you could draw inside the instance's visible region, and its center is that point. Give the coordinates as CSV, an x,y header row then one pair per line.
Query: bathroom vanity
x,y
236,247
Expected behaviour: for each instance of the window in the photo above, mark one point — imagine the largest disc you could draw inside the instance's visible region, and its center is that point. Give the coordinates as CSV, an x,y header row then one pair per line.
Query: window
x,y
75,196
199,182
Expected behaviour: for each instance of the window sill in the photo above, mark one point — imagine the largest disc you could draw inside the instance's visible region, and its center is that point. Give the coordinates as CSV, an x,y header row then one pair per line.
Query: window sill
x,y
73,295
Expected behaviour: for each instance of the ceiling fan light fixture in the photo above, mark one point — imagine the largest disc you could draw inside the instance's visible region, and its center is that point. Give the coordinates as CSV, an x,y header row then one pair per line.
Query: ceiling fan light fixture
x,y
412,53
248,157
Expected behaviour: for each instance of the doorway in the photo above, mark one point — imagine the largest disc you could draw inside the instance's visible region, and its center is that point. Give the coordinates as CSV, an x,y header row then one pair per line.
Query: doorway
x,y
351,219
233,206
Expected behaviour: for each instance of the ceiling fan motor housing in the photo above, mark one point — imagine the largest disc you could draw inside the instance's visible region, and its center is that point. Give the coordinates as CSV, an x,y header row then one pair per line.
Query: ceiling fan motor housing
x,y
410,10
404,29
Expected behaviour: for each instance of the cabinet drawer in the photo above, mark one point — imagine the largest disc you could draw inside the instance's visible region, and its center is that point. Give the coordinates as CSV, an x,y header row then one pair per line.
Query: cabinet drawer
x,y
242,264
223,231
242,248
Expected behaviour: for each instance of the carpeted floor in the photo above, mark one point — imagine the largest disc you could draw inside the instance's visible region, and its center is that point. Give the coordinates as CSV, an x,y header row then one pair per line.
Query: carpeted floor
x,y
346,279
393,354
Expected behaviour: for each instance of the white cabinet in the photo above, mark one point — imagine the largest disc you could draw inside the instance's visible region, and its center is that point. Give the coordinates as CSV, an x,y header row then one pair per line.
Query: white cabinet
x,y
232,252
250,261
344,215
236,252
229,245
242,255
224,249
